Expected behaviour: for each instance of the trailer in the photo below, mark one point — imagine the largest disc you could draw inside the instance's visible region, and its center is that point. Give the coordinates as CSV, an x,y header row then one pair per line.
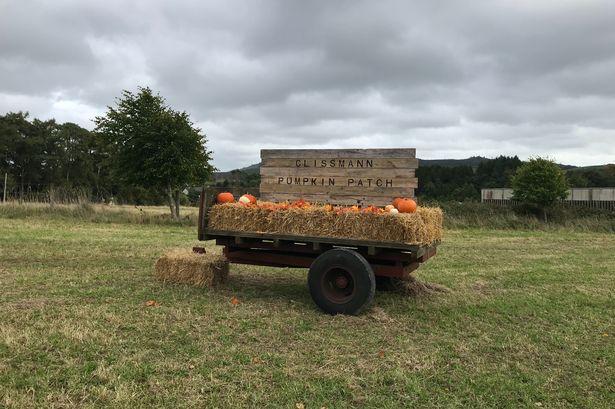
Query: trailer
x,y
343,273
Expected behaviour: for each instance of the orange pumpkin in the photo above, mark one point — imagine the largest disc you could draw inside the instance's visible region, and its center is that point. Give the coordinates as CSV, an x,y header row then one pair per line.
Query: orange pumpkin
x,y
225,197
300,204
396,202
370,209
406,206
247,199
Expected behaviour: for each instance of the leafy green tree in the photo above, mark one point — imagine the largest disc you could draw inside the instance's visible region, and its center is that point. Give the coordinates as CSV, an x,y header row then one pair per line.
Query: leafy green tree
x,y
157,147
540,183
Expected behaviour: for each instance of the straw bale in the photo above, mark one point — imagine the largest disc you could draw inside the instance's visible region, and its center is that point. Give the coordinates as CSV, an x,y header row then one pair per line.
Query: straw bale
x,y
421,227
186,267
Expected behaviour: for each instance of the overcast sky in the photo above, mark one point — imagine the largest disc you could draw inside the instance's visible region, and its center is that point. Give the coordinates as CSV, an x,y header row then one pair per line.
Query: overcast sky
x,y
451,78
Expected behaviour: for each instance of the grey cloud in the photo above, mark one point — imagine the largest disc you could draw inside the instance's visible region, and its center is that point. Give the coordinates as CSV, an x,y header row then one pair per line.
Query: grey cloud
x,y
453,79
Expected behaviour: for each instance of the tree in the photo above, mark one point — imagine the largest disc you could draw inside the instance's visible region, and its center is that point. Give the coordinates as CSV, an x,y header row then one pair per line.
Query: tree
x,y
157,147
496,172
24,148
540,183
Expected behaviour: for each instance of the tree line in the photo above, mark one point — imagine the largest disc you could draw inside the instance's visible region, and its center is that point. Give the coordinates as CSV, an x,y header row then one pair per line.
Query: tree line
x,y
37,155
462,183
141,151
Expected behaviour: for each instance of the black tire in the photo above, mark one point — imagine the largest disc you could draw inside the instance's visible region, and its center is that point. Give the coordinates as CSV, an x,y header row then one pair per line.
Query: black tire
x,y
341,281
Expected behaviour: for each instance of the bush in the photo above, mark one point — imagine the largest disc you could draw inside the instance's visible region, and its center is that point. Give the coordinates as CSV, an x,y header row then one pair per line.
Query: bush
x,y
539,183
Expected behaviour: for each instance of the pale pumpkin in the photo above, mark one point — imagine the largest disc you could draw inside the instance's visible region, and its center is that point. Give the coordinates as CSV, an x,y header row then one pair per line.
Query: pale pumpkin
x,y
247,199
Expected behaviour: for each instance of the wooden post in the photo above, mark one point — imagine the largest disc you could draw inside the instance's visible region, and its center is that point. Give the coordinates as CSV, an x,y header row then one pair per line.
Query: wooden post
x,y
4,194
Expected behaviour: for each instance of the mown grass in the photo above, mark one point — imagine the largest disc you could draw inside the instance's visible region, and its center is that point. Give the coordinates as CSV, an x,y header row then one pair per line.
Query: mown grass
x,y
98,213
529,322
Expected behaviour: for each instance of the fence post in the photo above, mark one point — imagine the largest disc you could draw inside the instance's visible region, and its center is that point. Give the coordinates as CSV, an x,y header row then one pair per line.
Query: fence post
x,y
4,194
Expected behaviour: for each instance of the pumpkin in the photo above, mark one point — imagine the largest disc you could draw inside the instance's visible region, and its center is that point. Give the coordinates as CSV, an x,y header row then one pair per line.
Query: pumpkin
x,y
370,209
396,202
406,206
300,204
225,197
394,211
388,208
247,199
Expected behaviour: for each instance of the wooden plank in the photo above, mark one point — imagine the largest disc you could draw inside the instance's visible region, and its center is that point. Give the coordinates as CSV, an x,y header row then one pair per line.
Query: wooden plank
x,y
331,172
233,235
331,198
341,183
398,188
339,153
317,162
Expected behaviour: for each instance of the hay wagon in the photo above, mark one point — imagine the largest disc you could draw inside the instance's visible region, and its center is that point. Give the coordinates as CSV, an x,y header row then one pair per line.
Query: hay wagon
x,y
343,273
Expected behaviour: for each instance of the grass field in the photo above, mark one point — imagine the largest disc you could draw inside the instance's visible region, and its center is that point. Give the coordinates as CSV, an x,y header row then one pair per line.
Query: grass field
x,y
529,322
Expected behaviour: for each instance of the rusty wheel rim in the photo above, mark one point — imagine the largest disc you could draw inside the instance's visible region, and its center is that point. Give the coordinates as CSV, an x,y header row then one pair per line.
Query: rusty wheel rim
x,y
338,285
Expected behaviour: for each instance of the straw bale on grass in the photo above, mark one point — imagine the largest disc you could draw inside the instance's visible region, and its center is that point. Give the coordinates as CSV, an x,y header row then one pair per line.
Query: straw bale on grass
x,y
186,267
422,227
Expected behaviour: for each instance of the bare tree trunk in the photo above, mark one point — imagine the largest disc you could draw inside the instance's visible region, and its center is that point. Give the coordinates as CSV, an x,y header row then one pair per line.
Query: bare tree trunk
x,y
4,193
21,191
544,211
52,195
177,195
170,199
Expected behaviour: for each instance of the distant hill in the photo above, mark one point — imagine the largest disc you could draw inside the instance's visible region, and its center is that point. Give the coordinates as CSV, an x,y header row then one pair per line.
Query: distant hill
x,y
252,169
472,161
584,168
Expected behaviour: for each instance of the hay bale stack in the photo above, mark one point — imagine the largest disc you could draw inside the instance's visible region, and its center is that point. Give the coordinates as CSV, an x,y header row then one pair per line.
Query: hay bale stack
x,y
186,267
422,227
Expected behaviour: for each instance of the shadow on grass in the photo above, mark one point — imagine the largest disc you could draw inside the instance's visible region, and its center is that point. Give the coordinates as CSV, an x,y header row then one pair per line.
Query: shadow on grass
x,y
291,285
270,283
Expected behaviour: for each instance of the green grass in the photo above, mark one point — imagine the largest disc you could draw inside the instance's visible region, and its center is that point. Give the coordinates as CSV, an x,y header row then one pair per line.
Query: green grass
x,y
529,322
491,216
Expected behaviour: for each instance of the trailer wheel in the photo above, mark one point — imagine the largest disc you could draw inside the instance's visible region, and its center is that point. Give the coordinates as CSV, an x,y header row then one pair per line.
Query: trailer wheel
x,y
341,281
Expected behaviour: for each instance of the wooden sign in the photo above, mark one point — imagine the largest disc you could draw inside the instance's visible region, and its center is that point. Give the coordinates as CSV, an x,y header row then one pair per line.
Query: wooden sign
x,y
338,176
